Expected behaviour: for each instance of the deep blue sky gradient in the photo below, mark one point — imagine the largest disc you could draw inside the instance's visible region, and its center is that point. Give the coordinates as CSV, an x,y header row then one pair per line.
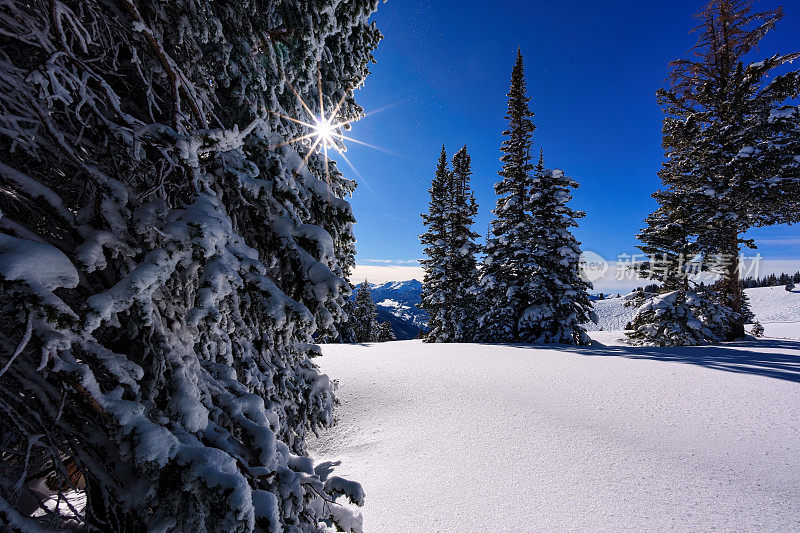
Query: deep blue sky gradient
x,y
592,69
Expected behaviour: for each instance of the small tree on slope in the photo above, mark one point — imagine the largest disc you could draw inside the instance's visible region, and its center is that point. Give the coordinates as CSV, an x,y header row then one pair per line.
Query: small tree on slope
x,y
561,301
669,319
165,258
732,140
384,332
364,315
361,322
509,262
345,329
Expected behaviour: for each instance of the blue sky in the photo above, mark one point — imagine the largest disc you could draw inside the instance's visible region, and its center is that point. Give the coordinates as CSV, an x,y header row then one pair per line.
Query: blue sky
x,y
592,69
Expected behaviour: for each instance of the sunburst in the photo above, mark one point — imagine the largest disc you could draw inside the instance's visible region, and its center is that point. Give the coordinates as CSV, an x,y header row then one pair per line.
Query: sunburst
x,y
325,130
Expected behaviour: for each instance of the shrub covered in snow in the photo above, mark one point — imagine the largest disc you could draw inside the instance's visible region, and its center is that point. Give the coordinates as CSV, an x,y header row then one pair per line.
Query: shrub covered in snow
x,y
166,257
680,318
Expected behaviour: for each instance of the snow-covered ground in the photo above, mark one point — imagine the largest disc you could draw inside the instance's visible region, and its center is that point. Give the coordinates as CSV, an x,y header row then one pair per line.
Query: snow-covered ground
x,y
611,314
504,438
775,304
776,309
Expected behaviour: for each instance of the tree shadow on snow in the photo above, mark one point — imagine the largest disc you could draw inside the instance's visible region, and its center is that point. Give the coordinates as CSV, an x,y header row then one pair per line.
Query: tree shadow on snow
x,y
745,356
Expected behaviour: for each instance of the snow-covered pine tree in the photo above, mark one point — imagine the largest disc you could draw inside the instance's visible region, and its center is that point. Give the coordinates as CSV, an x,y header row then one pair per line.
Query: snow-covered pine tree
x,y
508,263
345,332
384,332
361,322
683,313
665,319
669,319
436,286
667,244
165,258
559,294
461,261
364,317
732,139
709,305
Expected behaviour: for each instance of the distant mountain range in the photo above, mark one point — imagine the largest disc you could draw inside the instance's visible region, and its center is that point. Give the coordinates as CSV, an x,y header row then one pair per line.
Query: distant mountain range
x,y
397,303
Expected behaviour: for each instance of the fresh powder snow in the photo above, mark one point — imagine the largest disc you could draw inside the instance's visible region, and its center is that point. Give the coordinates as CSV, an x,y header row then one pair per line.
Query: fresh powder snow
x,y
467,437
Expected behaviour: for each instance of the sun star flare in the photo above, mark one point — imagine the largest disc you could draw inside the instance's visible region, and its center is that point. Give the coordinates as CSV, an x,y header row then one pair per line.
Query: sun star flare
x,y
324,130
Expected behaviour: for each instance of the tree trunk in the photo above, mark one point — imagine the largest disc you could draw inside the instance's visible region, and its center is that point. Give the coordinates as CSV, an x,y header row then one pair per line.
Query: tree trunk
x,y
733,288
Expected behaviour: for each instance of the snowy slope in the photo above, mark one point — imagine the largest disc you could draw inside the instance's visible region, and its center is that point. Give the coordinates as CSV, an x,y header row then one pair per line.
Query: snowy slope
x,y
502,438
611,314
777,309
775,304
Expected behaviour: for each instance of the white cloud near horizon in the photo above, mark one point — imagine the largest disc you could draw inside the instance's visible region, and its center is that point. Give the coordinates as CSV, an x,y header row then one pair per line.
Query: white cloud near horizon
x,y
780,241
385,273
392,261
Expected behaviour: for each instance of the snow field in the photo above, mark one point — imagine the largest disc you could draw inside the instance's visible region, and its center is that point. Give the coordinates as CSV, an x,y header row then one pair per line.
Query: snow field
x,y
775,304
509,438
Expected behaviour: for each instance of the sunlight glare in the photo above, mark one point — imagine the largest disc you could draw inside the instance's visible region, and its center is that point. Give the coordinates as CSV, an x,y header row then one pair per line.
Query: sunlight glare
x,y
325,132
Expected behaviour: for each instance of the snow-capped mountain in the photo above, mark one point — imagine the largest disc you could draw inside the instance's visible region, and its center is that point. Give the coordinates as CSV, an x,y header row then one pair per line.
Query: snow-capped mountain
x,y
397,302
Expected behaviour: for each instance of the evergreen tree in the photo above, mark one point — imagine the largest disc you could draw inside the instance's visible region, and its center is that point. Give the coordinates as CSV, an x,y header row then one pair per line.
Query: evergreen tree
x,y
667,244
561,302
461,263
682,313
384,332
731,140
437,289
165,260
678,318
361,323
530,286
365,315
345,329
509,264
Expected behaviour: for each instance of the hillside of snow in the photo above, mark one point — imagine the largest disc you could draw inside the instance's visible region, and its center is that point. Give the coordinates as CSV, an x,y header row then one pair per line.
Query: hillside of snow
x,y
775,304
777,309
611,315
508,438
